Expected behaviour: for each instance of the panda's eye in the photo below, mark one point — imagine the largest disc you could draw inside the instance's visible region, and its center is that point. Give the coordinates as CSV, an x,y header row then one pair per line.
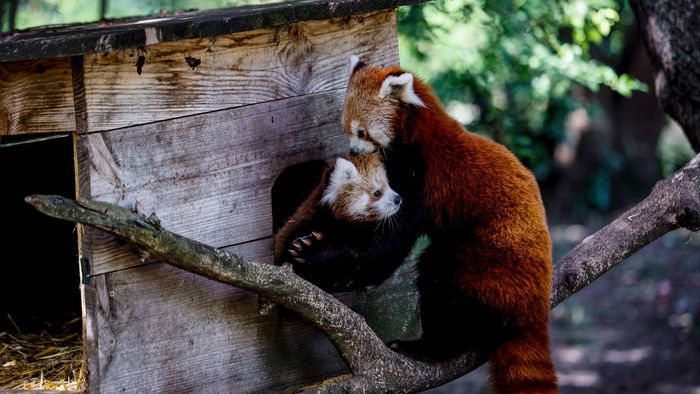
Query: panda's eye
x,y
361,134
377,193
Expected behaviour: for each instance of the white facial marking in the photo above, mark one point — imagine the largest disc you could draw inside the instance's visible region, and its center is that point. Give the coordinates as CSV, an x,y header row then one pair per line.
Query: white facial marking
x,y
387,206
329,194
354,125
380,136
359,146
400,87
359,206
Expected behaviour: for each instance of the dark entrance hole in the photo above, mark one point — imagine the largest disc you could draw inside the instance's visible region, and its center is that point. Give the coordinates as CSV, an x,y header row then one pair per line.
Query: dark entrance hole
x,y
292,186
39,270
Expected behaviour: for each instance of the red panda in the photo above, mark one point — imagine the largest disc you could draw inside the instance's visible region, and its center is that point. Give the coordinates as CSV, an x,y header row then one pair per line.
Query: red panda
x,y
485,280
358,215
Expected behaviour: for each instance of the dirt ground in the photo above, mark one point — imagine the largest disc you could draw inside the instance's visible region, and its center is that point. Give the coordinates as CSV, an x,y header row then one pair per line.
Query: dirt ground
x,y
634,330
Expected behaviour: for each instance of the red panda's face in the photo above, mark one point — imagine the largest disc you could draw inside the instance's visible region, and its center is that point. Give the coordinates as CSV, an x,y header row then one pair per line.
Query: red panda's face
x,y
367,120
359,190
372,101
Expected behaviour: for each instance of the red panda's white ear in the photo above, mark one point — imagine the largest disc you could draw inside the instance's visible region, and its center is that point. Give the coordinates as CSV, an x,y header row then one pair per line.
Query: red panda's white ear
x,y
344,171
400,88
355,64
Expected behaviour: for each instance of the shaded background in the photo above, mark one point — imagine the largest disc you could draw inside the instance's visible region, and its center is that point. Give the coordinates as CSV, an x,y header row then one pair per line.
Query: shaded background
x,y
566,85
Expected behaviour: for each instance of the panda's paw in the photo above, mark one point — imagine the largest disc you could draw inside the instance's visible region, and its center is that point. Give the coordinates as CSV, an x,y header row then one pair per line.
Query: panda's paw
x,y
303,245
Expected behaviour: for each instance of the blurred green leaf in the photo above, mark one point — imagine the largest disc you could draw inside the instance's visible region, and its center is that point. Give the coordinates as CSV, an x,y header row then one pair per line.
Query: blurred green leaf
x,y
518,63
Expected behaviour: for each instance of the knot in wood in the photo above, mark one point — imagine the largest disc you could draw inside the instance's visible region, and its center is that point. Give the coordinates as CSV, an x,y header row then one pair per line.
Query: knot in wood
x,y
689,218
571,279
297,55
139,64
193,62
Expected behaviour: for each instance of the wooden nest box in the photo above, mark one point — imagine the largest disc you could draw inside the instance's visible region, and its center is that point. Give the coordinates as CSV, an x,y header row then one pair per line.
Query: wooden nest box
x,y
193,117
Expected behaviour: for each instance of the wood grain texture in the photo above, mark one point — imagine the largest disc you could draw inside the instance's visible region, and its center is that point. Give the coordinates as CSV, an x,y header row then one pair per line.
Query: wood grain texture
x,y
168,80
204,336
36,97
164,330
208,177
90,305
197,131
109,35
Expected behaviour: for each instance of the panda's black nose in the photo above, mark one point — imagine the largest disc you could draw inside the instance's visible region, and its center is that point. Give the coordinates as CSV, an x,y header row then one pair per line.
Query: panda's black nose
x,y
397,200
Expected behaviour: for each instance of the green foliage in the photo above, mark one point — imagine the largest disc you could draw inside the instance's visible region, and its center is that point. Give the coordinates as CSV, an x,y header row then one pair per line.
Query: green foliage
x,y
510,69
673,150
128,8
32,13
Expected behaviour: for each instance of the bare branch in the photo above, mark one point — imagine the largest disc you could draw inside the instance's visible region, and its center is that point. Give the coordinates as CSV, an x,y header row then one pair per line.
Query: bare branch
x,y
279,284
674,202
375,366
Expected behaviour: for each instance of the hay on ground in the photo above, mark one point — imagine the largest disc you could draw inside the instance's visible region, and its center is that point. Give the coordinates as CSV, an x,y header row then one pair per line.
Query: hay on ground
x,y
42,360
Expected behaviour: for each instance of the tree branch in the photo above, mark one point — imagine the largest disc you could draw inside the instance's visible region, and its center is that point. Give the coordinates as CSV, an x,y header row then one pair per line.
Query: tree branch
x,y
375,367
674,202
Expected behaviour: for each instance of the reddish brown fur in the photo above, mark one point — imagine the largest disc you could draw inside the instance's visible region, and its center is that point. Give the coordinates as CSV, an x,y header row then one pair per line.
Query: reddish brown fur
x,y
360,245
286,234
476,184
372,174
372,177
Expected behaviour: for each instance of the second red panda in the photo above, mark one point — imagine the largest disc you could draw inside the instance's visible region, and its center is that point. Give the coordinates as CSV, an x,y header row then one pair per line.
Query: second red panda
x,y
366,231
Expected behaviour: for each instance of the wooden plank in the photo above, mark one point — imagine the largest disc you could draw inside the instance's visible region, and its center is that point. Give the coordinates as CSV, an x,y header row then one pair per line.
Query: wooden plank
x,y
208,177
259,250
36,97
164,330
129,33
168,80
11,391
91,334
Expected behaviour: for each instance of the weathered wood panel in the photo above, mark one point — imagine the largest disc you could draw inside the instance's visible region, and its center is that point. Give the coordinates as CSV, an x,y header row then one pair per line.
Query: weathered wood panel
x,y
88,292
196,131
167,80
36,97
78,40
164,330
209,176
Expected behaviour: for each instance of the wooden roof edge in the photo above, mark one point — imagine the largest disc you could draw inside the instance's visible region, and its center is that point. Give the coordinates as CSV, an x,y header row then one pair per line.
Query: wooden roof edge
x,y
75,40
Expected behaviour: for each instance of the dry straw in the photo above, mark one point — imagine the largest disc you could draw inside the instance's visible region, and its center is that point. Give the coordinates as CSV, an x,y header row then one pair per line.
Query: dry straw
x,y
43,360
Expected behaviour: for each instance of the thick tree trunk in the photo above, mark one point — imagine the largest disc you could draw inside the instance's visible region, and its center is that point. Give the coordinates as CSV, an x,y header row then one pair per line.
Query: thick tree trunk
x,y
671,31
